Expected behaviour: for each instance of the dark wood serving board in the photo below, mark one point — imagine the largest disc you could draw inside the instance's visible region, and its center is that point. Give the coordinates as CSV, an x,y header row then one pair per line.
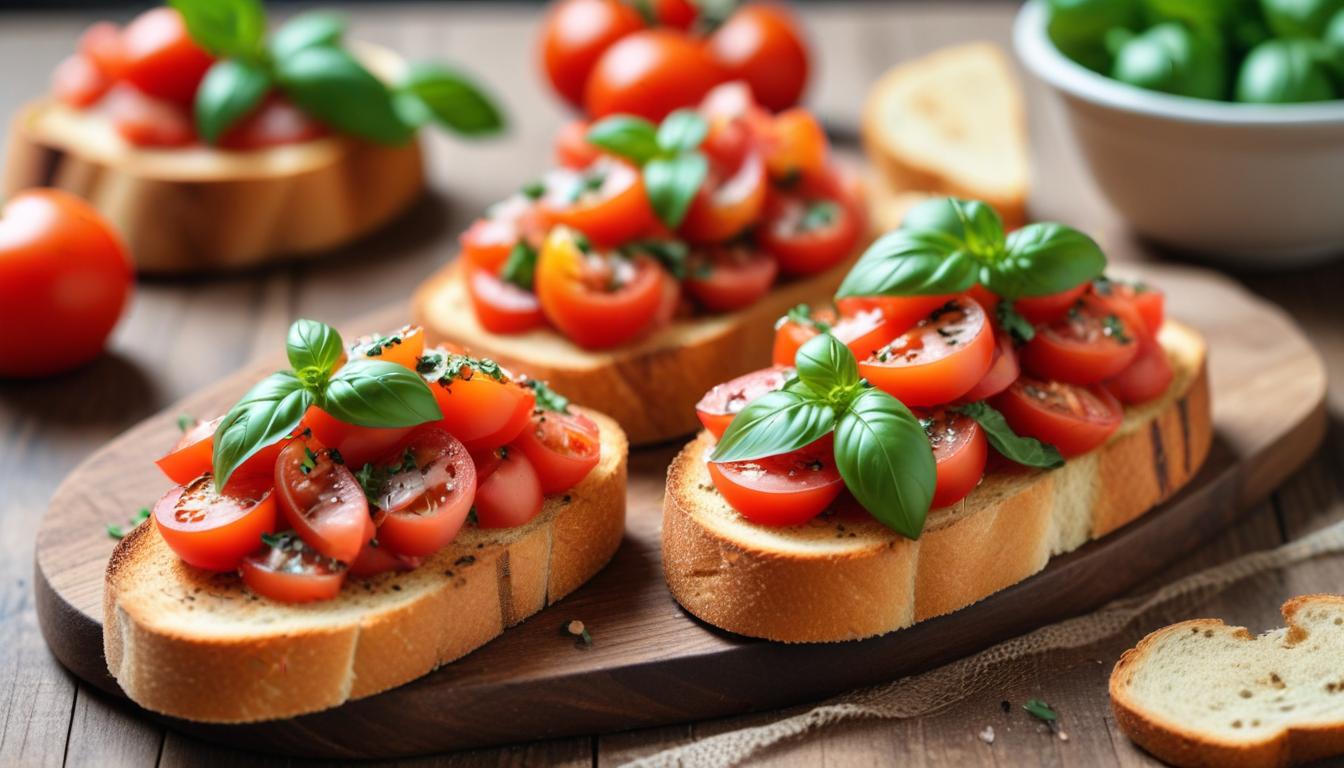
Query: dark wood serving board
x,y
650,662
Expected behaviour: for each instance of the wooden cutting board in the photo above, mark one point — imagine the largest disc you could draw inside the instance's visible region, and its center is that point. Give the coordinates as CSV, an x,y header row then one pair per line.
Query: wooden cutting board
x,y
651,663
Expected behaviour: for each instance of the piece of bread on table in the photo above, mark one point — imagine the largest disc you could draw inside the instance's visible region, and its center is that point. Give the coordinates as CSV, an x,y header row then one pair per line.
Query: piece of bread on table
x,y
1201,693
950,123
198,209
845,576
198,646
651,386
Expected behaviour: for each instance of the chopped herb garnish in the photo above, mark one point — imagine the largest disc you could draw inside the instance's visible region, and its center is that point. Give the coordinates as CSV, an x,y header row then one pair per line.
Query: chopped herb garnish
x,y
443,367
1041,711
1017,326
520,268
533,190
582,242
548,399
1115,329
309,462
471,516
818,215
802,315
672,254
185,421
285,541
117,531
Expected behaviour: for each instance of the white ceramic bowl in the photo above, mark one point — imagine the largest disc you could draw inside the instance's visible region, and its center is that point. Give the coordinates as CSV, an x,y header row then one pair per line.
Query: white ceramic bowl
x,y
1247,184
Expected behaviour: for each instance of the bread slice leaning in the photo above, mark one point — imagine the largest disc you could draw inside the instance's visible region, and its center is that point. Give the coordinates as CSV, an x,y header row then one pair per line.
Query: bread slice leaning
x,y
845,576
196,645
650,387
1201,693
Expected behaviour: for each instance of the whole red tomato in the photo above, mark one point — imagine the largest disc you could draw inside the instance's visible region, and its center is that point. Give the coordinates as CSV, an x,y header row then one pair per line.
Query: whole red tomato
x,y
650,73
575,34
763,45
64,278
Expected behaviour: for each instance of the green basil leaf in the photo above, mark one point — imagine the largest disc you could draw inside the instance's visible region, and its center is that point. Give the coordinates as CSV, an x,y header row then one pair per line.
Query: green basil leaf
x,y
1015,324
911,263
828,368
548,399
774,423
233,28
885,459
633,138
453,99
376,393
1045,258
231,88
671,183
266,414
970,222
306,31
682,131
520,268
313,347
1027,451
329,84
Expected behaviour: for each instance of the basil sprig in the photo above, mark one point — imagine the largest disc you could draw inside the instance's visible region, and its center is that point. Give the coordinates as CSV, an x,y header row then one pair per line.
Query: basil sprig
x,y
673,166
881,450
363,392
1027,451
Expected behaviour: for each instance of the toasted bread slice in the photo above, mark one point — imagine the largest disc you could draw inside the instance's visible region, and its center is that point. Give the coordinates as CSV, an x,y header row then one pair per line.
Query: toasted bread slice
x,y
650,387
1201,693
951,123
845,576
198,209
198,646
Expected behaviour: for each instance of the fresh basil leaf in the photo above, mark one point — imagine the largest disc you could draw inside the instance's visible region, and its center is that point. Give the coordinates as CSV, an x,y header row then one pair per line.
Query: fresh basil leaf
x,y
314,349
376,393
682,131
266,414
1027,451
911,263
453,99
633,138
774,423
548,399
828,368
329,84
1045,258
231,88
971,222
672,254
1015,324
885,459
306,31
671,183
233,28
520,268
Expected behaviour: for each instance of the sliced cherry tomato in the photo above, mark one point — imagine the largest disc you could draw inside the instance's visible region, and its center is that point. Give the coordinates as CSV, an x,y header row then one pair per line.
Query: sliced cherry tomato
x,y
161,58
292,573
572,149
789,489
1003,370
374,559
762,44
562,447
501,306
1094,341
193,455
960,451
1147,378
427,489
795,146
901,312
812,229
597,299
676,13
612,206
275,122
733,194
147,122
864,332
78,82
1047,309
101,44
938,360
322,501
728,278
511,494
489,241
214,530
650,73
722,403
357,445
575,34
402,346
481,405
1146,302
1073,419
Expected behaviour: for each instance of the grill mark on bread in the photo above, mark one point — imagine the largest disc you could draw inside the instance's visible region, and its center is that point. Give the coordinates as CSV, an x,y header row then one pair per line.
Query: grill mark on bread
x,y
1159,458
505,579
1183,410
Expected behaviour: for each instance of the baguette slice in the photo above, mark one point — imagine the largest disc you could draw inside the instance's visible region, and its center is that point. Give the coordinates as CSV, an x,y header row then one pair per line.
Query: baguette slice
x,y
1201,693
951,123
193,645
845,576
650,387
198,209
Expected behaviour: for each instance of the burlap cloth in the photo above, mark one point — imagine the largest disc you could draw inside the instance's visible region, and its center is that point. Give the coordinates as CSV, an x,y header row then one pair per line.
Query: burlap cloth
x,y
996,667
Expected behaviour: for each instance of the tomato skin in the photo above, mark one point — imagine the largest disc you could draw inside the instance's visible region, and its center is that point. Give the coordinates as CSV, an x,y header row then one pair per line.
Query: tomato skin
x,y
901,312
64,278
573,288
795,146
502,307
617,211
161,59
1073,419
193,455
562,447
937,361
650,73
78,82
960,451
1047,309
211,530
510,495
723,402
1122,297
420,524
147,122
481,411
275,122
572,149
324,504
263,574
375,560
729,278
357,445
680,14
1003,370
1079,348
402,346
575,34
864,332
781,490
101,44
808,251
762,44
1145,379
730,200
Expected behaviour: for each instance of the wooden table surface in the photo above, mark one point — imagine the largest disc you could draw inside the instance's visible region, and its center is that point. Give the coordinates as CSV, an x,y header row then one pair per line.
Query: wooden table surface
x,y
179,336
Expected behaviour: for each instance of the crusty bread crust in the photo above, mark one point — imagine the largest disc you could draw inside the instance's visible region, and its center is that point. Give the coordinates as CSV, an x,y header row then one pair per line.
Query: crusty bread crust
x,y
844,576
650,387
1177,744
198,646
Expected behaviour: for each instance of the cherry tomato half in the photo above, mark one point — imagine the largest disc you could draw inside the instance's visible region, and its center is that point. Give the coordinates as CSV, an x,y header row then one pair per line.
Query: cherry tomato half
x,y
292,573
795,146
357,445
193,455
612,206
864,332
78,82
1048,309
501,306
562,447
429,486
510,495
959,450
1093,341
1147,377
374,560
101,43
161,58
789,489
145,121
1003,371
650,73
733,194
1073,419
322,501
901,312
577,32
402,346
728,278
812,229
572,148
481,405
1146,302
938,360
214,530
762,44
598,300
722,403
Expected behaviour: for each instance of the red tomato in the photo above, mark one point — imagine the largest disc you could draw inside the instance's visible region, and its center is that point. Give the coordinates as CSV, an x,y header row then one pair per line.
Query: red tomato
x,y
813,229
64,278
562,447
402,346
501,306
1094,341
77,82
101,44
1003,370
722,403
1073,419
161,58
215,530
938,360
147,122
488,242
193,455
734,101
1147,377
960,451
511,495
613,206
482,407
863,332
427,493
676,13
598,300
374,560
733,194
572,149
789,489
649,74
795,146
901,312
987,298
1047,309
575,34
763,45
727,278
276,121
292,573
322,501
1146,302
357,445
